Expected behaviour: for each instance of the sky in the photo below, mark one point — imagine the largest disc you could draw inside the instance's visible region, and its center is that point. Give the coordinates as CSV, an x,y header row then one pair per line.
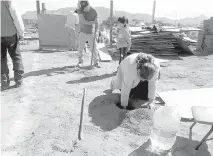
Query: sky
x,y
174,9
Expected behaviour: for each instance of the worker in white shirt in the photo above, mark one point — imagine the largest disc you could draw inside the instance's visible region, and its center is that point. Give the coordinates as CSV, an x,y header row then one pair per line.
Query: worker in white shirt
x,y
12,31
137,78
73,29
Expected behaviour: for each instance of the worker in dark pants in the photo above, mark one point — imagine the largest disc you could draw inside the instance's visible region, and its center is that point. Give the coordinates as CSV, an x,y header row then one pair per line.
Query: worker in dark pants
x,y
12,31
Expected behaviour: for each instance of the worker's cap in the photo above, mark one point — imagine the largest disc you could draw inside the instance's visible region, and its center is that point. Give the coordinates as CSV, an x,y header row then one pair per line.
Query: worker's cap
x,y
83,3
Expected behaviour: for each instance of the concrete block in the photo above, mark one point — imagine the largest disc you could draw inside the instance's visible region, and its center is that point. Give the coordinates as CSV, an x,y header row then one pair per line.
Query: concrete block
x,y
201,36
208,26
52,31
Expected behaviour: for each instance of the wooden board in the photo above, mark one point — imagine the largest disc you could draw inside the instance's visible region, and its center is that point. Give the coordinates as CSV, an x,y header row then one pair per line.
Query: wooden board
x,y
184,45
103,52
185,99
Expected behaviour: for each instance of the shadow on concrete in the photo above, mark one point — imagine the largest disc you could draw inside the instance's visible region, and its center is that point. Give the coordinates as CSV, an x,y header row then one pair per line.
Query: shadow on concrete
x,y
48,51
104,112
49,72
182,147
91,78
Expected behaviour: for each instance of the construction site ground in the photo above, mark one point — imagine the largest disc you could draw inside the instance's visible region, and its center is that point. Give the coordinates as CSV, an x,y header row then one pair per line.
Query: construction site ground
x,y
42,117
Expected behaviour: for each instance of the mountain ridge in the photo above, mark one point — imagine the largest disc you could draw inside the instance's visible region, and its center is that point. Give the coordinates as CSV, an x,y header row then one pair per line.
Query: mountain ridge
x,y
104,14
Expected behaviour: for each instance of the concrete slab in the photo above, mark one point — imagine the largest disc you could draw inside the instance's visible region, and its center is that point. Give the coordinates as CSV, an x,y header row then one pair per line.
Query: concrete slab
x,y
185,99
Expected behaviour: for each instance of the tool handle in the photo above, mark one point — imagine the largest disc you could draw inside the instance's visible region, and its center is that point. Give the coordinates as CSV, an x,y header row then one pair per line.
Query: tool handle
x,y
81,117
93,48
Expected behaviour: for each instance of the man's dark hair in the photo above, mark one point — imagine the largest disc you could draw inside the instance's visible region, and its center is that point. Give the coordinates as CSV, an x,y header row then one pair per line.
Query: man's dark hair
x,y
84,4
123,20
75,11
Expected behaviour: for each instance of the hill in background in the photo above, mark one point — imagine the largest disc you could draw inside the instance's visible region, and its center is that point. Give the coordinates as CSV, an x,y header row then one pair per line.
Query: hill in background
x,y
104,14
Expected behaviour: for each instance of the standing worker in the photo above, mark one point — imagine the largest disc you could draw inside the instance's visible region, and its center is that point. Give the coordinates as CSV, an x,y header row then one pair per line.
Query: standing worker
x,y
73,30
123,38
12,31
88,23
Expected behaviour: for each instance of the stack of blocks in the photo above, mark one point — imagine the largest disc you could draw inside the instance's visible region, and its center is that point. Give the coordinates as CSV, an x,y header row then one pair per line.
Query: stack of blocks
x,y
205,37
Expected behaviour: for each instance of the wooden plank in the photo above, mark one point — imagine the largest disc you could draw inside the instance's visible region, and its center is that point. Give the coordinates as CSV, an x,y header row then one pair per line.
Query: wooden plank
x,y
103,52
185,46
152,47
155,43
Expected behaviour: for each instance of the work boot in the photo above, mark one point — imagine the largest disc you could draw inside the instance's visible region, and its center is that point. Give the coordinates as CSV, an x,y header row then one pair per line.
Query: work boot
x,y
5,86
18,77
18,84
96,64
80,64
5,81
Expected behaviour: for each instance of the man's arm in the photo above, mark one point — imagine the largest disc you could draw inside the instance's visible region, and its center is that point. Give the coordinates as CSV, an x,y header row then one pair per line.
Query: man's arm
x,y
128,38
96,24
125,91
18,22
126,87
153,84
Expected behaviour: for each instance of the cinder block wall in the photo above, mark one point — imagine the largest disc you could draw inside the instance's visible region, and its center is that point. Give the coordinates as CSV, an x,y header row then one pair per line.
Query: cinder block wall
x,y
205,37
52,31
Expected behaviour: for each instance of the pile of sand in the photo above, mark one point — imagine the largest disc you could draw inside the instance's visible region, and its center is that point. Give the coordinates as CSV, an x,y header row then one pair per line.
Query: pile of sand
x,y
139,121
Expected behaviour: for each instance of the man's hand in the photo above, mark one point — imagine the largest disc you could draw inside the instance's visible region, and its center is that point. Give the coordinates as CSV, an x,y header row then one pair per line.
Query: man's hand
x,y
120,106
96,33
128,48
21,38
151,105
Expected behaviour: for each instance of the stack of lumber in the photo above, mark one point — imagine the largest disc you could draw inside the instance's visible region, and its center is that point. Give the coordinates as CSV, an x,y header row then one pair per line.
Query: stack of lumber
x,y
161,44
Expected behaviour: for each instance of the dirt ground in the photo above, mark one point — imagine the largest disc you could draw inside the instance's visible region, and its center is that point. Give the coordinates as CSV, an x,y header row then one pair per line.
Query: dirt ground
x,y
42,117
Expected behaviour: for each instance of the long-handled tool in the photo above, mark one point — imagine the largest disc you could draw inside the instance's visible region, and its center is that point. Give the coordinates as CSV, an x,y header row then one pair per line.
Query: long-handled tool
x,y
81,117
93,48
